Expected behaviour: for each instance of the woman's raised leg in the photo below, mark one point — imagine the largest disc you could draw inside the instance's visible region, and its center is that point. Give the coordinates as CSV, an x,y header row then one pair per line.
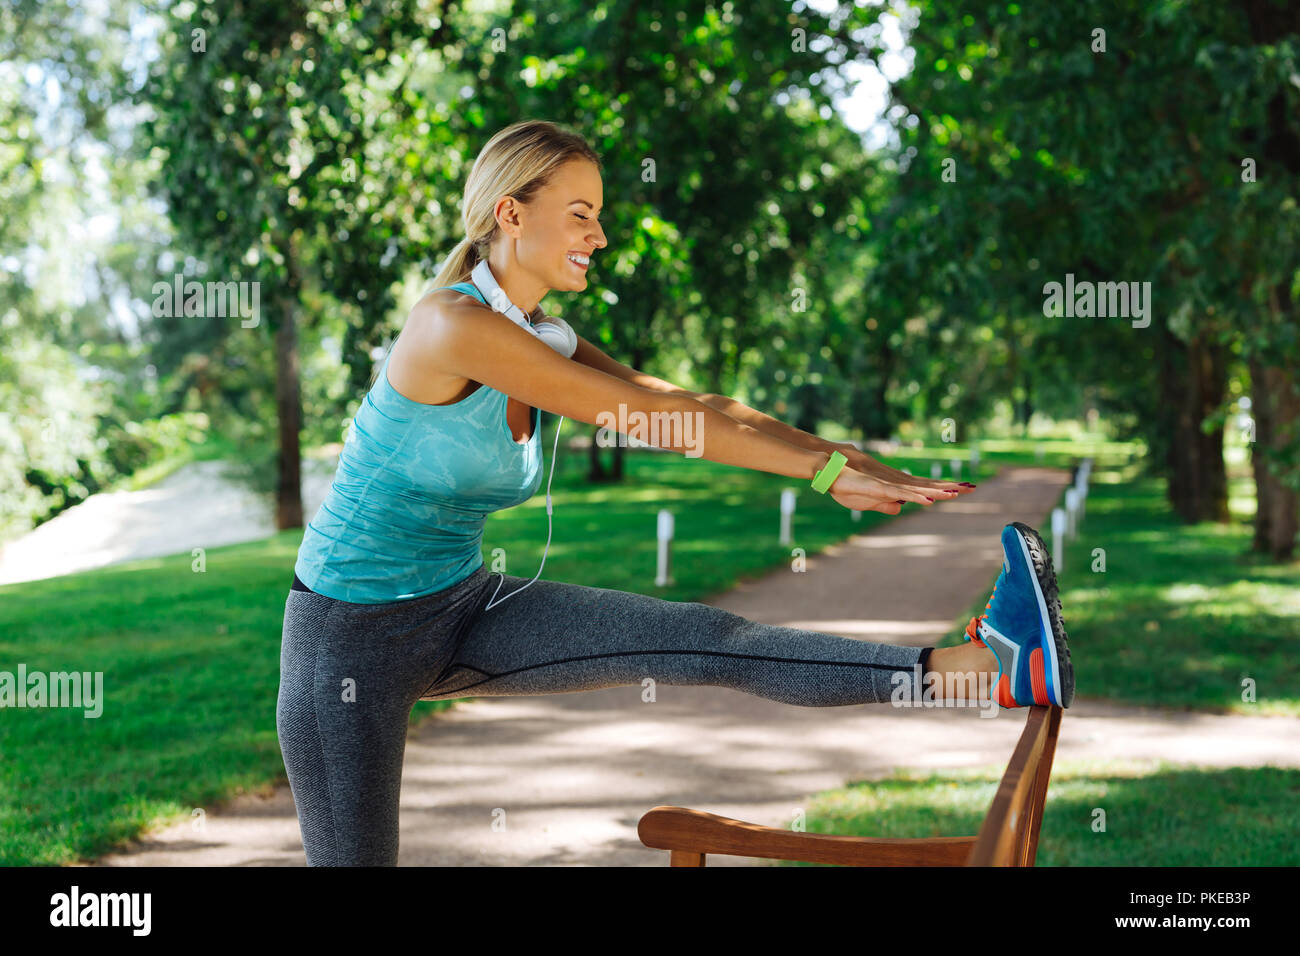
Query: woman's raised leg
x,y
553,637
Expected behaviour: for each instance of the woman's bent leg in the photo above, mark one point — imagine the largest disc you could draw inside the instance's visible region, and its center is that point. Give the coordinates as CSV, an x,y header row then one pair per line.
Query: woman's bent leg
x,y
349,676
342,744
553,637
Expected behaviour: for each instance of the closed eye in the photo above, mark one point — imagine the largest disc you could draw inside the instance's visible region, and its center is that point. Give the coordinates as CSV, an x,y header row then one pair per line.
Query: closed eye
x,y
584,218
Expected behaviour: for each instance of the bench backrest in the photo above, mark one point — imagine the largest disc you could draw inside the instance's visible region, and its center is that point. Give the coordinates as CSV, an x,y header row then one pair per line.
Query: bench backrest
x,y
1009,834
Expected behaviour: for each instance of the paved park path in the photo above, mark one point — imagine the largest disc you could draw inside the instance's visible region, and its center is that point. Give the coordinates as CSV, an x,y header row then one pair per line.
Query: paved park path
x,y
574,772
194,506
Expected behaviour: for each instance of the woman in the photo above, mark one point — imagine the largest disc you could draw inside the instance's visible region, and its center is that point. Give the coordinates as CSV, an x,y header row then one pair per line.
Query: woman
x,y
391,602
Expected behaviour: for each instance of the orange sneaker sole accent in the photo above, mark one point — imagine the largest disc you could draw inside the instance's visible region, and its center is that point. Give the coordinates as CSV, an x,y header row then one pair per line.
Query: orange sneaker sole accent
x,y
1037,676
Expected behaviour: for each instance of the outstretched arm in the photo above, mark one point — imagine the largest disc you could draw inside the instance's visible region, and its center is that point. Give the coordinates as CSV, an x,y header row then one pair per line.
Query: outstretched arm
x,y
858,460
589,354
593,357
467,340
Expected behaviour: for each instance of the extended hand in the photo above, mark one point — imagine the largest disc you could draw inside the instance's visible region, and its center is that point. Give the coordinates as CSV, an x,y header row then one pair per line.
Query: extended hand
x,y
862,492
861,461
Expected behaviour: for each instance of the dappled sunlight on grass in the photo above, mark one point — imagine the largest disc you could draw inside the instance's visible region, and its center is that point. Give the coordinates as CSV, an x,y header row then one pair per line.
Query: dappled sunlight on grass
x,y
1238,598
1182,615
1186,613
1098,813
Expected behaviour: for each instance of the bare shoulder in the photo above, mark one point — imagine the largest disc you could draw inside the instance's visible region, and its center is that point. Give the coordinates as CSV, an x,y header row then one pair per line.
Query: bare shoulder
x,y
440,319
427,319
446,302
413,368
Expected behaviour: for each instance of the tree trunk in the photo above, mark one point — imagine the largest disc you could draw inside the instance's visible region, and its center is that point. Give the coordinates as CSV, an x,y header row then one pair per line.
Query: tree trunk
x,y
1193,376
616,473
881,418
1025,407
1274,403
867,377
288,404
595,467
1208,387
1275,407
596,470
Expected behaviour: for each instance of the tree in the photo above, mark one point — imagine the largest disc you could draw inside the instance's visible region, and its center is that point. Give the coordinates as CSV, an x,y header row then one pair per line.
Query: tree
x,y
293,159
1104,141
727,176
71,383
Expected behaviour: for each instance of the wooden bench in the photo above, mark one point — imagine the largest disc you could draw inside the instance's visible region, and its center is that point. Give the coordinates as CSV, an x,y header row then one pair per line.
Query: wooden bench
x,y
1008,836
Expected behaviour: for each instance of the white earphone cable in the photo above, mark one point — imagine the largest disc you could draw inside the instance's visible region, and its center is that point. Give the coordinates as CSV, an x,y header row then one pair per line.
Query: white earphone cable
x,y
492,603
559,336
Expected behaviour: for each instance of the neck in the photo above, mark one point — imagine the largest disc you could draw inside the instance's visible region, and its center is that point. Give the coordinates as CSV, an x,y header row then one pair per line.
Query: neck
x,y
520,287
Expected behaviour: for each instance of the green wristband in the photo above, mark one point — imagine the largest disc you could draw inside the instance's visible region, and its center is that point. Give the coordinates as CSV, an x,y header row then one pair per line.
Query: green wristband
x,y
826,476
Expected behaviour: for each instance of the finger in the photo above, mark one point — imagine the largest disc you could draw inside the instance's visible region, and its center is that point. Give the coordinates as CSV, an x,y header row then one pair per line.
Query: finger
x,y
926,493
914,494
941,485
903,478
940,495
950,488
928,484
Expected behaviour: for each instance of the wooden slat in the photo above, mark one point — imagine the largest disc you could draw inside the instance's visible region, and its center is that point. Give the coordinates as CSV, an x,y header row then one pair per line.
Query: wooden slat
x,y
684,831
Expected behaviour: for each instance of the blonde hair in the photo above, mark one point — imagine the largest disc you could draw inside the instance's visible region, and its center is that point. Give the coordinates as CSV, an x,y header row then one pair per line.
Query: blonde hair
x,y
518,161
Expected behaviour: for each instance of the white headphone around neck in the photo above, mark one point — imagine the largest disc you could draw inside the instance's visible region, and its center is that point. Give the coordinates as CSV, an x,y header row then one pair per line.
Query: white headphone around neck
x,y
554,332
558,335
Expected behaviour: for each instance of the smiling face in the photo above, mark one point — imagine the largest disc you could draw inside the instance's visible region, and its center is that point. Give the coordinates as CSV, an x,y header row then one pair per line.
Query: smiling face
x,y
560,222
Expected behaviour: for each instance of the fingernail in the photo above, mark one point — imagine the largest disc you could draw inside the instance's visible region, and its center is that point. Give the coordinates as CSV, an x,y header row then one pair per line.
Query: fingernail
x,y
966,483
928,498
900,501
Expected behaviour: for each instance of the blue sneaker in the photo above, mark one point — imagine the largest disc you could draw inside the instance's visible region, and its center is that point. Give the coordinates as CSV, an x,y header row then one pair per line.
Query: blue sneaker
x,y
1024,628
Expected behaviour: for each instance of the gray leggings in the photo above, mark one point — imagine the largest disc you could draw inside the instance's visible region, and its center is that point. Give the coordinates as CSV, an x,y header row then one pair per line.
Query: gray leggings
x,y
350,674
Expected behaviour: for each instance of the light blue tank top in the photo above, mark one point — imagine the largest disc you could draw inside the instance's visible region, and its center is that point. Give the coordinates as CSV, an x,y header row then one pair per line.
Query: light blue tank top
x,y
415,483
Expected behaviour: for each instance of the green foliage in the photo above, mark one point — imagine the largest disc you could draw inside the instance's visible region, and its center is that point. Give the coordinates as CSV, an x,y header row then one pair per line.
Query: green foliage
x,y
49,448
74,237
1027,151
304,148
757,248
65,436
735,194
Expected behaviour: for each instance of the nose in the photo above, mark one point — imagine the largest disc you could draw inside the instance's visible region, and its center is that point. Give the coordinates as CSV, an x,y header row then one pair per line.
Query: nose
x,y
600,242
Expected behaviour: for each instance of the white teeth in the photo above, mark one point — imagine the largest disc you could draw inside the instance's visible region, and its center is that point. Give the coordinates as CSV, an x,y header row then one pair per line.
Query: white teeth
x,y
581,260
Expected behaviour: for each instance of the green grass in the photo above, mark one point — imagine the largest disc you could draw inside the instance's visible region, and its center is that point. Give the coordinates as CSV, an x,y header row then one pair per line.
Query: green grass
x,y
1178,618
1182,615
190,660
1151,815
190,676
